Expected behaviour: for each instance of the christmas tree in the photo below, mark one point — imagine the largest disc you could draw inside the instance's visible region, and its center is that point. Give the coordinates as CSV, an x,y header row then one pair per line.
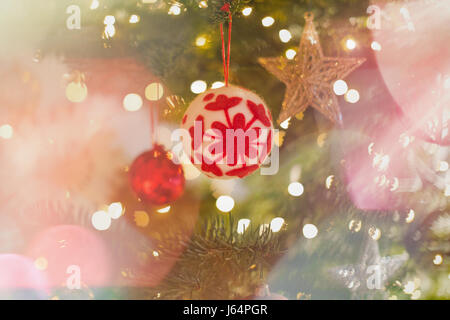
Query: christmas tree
x,y
340,189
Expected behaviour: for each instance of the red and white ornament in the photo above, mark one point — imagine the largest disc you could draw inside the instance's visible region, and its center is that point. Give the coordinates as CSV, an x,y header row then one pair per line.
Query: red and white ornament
x,y
230,132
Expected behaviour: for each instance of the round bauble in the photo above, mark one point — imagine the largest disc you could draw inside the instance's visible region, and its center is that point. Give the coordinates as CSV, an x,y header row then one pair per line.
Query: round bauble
x,y
230,132
155,178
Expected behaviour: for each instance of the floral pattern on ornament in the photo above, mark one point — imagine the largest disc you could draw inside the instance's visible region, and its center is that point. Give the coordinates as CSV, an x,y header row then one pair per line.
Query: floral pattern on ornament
x,y
224,103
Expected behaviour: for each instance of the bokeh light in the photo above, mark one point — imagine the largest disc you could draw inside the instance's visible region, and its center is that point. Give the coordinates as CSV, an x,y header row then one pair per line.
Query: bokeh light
x,y
352,96
267,21
290,54
154,91
243,224
76,92
276,224
101,220
310,231
217,85
295,189
285,35
198,86
6,131
115,210
174,10
247,11
340,87
350,44
225,203
132,102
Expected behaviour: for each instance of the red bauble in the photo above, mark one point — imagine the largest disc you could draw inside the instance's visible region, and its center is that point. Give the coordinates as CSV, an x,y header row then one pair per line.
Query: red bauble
x,y
155,178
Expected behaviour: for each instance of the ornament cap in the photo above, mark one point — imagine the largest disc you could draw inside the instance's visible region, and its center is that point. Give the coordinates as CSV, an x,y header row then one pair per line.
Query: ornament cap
x,y
309,16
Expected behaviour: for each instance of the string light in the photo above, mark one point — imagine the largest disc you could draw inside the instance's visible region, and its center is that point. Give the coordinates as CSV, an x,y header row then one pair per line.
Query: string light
x,y
247,11
285,124
242,225
374,233
329,181
350,44
198,86
154,91
267,21
94,4
225,203
217,84
290,54
174,10
376,46
101,220
340,87
285,35
310,231
132,102
295,189
115,210
134,18
109,20
6,131
355,225
352,96
164,210
438,259
410,216
276,224
200,41
443,166
76,92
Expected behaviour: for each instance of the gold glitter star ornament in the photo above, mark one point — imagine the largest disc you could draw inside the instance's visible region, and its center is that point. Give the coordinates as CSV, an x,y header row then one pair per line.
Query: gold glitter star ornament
x,y
309,78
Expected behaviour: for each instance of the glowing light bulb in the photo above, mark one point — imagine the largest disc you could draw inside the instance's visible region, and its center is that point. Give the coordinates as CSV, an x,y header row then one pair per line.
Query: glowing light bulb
x,y
350,44
174,10
290,54
340,87
247,11
310,231
198,86
242,225
285,35
267,21
276,224
200,41
376,46
132,102
101,220
110,31
295,189
352,96
134,18
217,84
225,203
203,4
6,131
